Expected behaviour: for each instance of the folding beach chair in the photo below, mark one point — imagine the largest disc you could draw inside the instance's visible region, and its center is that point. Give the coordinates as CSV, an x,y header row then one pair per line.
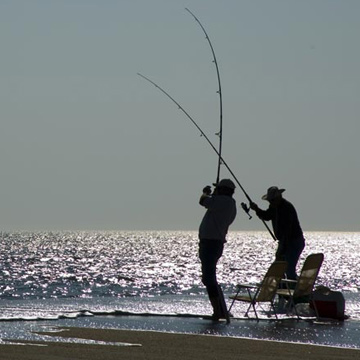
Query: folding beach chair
x,y
263,292
304,285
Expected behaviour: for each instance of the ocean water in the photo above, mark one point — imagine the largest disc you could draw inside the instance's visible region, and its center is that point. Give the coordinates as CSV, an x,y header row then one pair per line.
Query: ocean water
x,y
151,280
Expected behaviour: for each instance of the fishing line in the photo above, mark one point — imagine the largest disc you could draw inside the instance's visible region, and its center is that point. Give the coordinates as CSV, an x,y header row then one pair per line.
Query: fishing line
x,y
210,143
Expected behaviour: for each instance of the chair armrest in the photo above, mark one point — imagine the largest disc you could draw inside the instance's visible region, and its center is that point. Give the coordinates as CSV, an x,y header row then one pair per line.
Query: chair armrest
x,y
248,286
289,281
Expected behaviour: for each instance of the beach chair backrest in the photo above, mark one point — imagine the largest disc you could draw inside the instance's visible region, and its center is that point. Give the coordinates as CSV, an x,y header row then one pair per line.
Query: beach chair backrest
x,y
308,275
271,281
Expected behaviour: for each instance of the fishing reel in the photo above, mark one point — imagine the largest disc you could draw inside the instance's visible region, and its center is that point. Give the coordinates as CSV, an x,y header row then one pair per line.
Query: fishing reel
x,y
246,209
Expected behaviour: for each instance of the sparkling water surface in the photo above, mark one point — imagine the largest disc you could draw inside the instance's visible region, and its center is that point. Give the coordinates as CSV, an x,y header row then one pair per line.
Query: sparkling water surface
x,y
125,264
94,276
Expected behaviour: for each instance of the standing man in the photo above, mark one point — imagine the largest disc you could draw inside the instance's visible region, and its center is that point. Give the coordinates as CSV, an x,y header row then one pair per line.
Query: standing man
x,y
220,213
286,227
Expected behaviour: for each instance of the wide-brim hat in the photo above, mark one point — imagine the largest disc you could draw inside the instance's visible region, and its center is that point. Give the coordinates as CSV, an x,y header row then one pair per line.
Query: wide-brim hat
x,y
272,193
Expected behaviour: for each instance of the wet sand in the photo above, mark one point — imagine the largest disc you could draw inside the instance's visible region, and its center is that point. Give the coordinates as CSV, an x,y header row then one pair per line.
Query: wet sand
x,y
157,346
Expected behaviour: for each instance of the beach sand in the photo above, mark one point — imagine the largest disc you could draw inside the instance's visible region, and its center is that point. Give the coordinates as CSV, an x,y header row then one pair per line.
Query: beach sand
x,y
158,346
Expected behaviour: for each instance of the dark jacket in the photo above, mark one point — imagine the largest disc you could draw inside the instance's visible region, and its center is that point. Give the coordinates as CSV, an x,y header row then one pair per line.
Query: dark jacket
x,y
285,222
221,212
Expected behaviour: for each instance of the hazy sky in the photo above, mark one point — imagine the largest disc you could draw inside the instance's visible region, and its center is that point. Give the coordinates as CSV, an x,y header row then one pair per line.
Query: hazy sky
x,y
87,144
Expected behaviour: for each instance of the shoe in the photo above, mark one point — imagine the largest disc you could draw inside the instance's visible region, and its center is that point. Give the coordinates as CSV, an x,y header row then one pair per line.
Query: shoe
x,y
215,317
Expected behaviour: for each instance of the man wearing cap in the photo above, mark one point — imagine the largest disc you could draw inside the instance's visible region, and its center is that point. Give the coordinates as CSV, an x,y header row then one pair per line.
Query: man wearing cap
x,y
286,227
220,213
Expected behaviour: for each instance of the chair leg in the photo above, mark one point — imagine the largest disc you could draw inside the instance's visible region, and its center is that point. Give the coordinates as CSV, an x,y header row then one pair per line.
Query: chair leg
x,y
274,309
315,308
234,300
248,309
293,305
253,305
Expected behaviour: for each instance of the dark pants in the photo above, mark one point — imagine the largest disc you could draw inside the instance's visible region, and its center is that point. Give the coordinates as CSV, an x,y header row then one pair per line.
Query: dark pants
x,y
210,252
291,255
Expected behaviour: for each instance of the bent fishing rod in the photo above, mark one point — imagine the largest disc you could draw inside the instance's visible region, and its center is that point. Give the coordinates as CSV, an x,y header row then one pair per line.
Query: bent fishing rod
x,y
212,146
220,133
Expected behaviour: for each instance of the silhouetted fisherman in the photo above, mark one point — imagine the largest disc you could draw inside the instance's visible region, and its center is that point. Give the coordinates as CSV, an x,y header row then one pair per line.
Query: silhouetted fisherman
x,y
286,227
221,212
